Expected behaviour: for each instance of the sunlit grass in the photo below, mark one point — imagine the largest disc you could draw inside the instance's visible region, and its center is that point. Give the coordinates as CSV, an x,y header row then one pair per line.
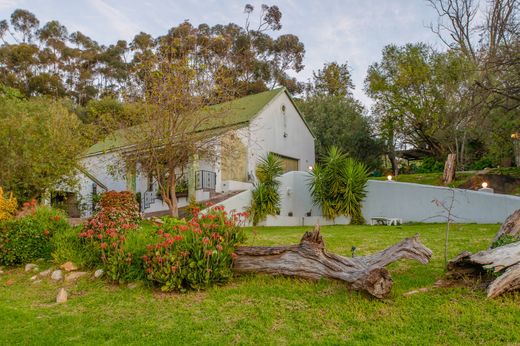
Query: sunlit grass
x,y
262,309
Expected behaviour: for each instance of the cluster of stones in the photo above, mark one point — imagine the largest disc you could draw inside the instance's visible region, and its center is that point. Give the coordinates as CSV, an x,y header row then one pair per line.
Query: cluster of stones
x,y
66,273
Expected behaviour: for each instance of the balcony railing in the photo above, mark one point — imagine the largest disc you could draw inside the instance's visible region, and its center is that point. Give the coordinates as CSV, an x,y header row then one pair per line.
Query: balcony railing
x,y
205,180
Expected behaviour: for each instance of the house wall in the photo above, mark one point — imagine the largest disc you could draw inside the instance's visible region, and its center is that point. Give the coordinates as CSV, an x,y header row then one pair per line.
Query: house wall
x,y
287,135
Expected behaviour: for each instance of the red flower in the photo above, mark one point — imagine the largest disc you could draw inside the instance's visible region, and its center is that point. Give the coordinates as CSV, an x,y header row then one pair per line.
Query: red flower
x,y
205,240
46,232
234,255
103,245
219,247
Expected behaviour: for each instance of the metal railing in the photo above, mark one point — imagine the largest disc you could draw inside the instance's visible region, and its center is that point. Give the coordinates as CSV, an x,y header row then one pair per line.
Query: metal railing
x,y
205,180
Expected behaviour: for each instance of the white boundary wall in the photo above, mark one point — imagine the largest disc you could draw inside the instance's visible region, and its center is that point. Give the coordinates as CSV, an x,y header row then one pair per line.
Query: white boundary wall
x,y
416,203
410,202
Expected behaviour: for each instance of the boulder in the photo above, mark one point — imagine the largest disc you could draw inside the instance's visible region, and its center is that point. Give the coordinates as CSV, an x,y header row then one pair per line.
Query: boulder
x,y
74,276
30,266
98,273
34,277
69,266
45,273
62,296
57,275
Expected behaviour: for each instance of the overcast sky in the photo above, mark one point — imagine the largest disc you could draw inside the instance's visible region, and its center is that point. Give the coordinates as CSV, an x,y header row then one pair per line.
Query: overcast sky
x,y
332,30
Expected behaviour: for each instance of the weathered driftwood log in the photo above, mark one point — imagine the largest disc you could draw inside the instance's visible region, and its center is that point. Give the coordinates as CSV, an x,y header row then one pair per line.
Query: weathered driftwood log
x,y
500,265
503,260
308,259
510,227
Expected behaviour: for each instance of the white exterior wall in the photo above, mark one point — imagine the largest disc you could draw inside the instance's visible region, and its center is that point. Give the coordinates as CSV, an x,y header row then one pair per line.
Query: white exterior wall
x,y
413,203
410,202
266,134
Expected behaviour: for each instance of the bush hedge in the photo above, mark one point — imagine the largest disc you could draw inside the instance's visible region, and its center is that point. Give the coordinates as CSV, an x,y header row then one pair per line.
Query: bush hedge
x,y
29,238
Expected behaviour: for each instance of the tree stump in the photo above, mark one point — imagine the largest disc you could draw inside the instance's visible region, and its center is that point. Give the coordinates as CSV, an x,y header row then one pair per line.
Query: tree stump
x,y
510,227
309,260
503,261
449,169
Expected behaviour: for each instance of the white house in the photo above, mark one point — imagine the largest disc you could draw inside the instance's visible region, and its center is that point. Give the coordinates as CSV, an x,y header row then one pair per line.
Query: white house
x,y
258,124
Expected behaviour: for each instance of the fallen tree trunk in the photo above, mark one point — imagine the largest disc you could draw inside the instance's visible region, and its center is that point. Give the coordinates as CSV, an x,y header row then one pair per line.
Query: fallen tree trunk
x,y
503,260
308,259
510,227
499,265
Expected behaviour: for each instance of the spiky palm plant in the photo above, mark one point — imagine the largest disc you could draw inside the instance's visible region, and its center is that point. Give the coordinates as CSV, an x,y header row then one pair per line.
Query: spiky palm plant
x,y
265,198
338,186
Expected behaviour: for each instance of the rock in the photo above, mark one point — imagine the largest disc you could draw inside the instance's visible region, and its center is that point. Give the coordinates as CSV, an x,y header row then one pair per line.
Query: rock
x,y
409,293
74,276
99,273
62,296
69,266
30,266
1,271
34,277
45,273
422,289
132,285
57,275
35,282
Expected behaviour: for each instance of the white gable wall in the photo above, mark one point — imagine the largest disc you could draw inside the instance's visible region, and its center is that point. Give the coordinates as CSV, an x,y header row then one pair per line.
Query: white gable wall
x,y
266,134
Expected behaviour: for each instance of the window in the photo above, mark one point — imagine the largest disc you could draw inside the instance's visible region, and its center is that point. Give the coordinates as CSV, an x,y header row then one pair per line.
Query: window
x,y
284,117
288,163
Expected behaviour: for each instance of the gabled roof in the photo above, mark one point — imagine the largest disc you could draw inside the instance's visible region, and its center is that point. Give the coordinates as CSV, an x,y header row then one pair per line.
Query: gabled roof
x,y
238,113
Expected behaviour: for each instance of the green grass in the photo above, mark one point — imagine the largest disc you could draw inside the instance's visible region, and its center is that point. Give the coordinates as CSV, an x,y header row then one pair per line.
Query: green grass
x,y
262,309
428,178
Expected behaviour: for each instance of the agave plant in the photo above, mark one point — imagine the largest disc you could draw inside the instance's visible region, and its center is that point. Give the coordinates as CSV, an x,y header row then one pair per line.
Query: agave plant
x,y
338,185
265,198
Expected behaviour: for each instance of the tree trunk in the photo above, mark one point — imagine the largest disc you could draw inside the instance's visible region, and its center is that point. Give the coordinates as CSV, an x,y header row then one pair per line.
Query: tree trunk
x,y
503,260
510,227
173,206
449,169
309,260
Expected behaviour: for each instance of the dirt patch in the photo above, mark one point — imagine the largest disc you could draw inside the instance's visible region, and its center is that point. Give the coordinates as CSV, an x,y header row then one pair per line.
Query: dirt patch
x,y
500,183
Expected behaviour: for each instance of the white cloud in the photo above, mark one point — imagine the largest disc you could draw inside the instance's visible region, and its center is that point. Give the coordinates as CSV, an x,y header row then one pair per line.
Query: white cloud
x,y
115,18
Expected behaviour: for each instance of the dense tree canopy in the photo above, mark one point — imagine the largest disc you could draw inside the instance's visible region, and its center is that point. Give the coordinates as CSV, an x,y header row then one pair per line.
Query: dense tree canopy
x,y
40,140
48,60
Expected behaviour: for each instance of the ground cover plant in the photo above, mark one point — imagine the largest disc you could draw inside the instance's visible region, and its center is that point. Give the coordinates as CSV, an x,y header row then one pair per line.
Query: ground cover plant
x,y
262,309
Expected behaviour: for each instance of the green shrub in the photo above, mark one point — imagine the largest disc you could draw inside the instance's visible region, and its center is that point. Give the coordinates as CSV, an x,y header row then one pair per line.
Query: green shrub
x,y
197,254
29,238
67,246
338,186
481,164
430,165
265,199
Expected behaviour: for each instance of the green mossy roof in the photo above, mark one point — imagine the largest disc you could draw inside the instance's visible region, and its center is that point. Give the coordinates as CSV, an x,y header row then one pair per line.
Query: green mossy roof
x,y
238,113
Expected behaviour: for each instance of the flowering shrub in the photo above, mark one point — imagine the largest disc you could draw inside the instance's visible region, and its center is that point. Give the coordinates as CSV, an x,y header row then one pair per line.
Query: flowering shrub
x,y
106,232
28,238
8,205
124,202
195,254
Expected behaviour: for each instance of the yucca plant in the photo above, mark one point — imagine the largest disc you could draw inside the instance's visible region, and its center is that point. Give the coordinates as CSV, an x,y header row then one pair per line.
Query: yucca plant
x,y
338,186
265,198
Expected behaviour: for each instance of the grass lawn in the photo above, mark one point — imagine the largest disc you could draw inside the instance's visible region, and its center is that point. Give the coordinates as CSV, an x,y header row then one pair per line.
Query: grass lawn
x,y
428,178
261,309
